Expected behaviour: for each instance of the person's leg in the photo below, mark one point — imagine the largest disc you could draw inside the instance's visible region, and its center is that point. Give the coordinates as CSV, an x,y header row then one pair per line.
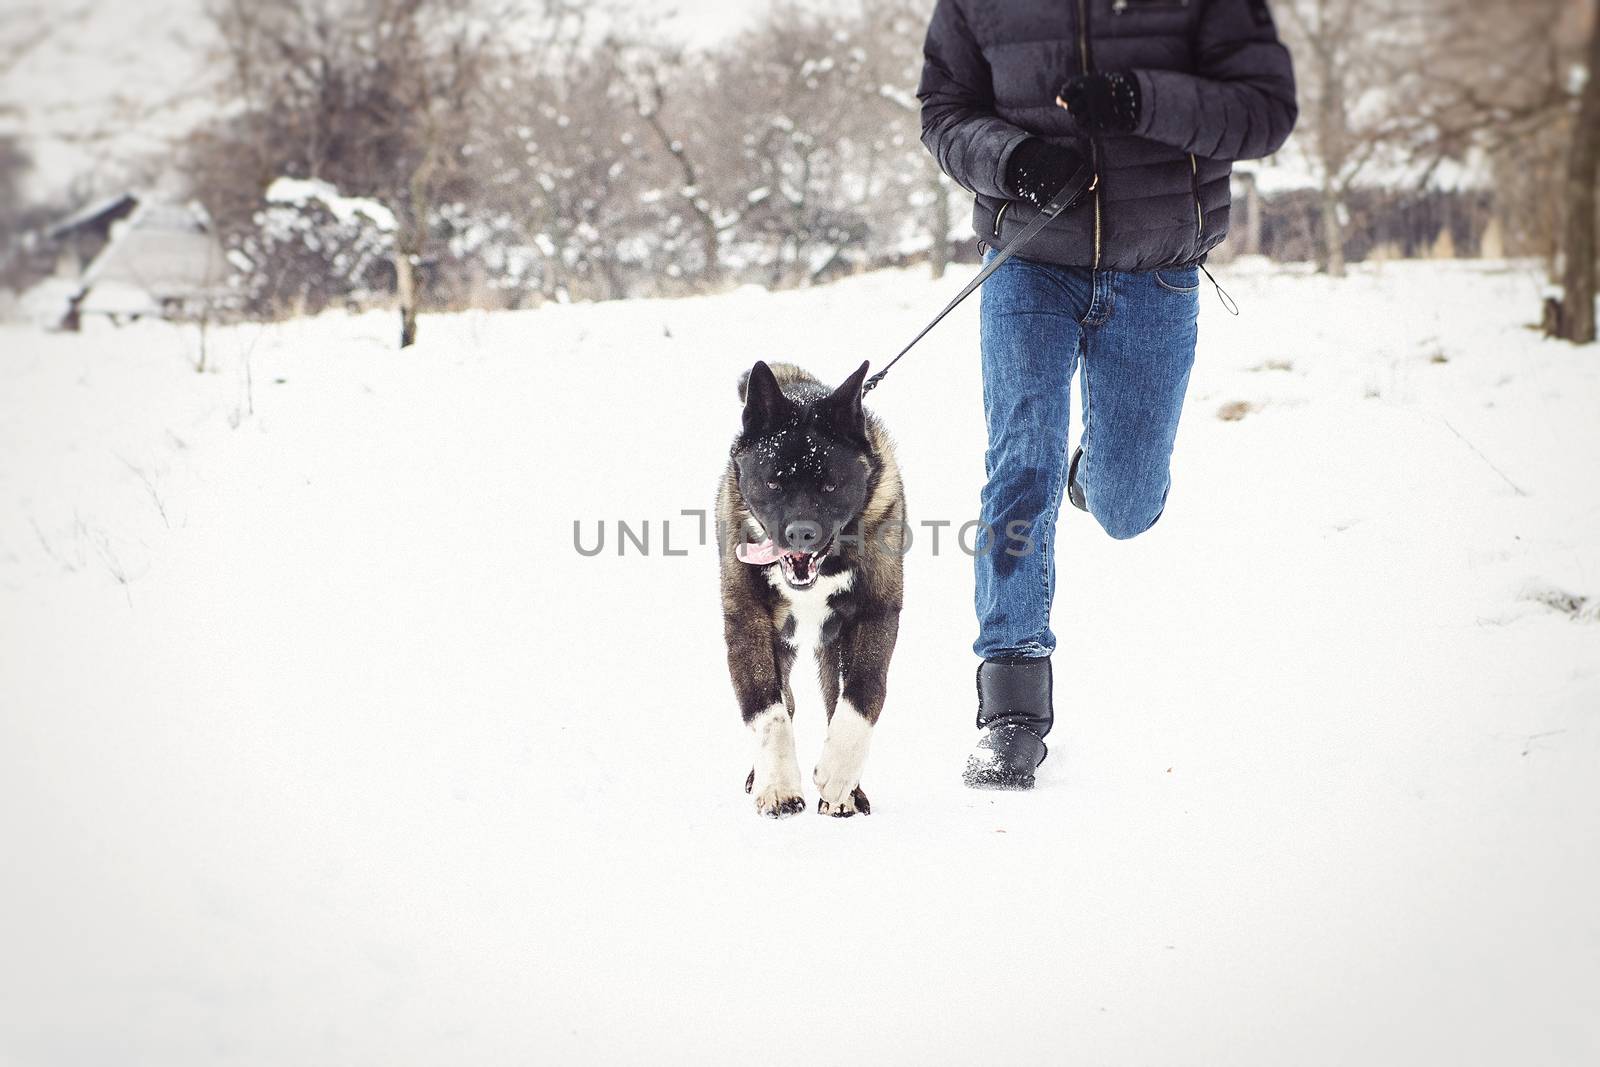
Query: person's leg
x,y
1138,351
1030,339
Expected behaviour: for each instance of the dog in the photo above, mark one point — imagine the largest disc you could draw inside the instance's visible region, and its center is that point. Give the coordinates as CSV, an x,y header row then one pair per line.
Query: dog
x,y
811,520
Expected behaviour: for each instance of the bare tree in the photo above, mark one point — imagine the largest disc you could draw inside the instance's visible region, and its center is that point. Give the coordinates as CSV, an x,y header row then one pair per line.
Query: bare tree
x,y
1503,79
572,180
893,37
658,74
17,267
1577,317
375,96
810,165
15,163
1349,60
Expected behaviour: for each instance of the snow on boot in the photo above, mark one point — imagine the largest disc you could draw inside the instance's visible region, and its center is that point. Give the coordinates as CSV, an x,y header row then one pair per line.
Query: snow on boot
x,y
1014,715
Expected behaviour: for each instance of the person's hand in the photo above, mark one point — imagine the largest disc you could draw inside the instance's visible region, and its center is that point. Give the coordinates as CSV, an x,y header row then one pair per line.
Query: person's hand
x,y
1038,170
1103,101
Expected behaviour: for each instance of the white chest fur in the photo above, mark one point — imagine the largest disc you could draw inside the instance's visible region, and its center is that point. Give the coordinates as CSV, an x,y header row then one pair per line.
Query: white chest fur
x,y
809,607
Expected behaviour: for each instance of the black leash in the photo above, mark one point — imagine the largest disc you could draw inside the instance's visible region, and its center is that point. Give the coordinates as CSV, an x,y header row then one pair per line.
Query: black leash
x,y
1032,230
1228,302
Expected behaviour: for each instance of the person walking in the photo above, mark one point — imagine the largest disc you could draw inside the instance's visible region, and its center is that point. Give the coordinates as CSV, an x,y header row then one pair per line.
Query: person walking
x,y
1132,113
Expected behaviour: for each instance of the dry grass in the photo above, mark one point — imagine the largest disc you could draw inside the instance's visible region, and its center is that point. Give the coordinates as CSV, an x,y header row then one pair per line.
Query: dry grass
x,y
1236,410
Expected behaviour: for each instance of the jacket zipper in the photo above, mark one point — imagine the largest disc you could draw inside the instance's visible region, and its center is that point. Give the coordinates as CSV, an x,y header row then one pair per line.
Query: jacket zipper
x,y
1199,212
1094,149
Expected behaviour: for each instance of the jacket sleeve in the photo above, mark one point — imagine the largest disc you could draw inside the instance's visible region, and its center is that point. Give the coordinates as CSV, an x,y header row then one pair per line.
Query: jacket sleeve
x,y
1239,103
959,126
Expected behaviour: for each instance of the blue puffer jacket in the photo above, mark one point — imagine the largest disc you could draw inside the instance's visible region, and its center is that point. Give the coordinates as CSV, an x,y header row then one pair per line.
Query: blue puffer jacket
x,y
1215,82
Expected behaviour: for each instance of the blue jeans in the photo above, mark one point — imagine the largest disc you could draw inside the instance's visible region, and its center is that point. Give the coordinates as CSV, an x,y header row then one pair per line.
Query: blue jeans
x,y
1134,336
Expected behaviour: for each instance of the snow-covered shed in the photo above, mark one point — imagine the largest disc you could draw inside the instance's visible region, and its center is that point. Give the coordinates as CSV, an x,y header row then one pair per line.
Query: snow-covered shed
x,y
156,259
82,235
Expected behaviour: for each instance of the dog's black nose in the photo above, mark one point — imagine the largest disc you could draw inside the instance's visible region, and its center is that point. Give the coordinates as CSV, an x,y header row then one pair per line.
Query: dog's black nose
x,y
803,535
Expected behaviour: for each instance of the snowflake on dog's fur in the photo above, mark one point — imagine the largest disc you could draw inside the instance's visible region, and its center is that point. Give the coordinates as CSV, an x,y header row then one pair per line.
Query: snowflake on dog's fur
x,y
806,456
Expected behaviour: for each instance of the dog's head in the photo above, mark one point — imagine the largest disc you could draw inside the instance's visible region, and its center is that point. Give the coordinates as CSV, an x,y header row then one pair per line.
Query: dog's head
x,y
804,465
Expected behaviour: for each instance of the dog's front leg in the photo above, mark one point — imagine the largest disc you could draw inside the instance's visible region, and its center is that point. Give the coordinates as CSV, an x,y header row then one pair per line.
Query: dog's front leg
x,y
757,668
866,646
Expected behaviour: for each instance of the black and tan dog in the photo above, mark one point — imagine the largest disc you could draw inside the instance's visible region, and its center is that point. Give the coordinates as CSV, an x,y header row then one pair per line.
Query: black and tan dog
x,y
811,520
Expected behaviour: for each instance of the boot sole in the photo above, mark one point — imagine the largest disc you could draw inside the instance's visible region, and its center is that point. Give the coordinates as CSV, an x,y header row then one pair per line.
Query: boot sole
x,y
997,782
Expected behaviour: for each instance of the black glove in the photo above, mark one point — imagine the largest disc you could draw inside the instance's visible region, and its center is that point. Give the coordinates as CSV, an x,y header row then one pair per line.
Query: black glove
x,y
1104,101
1038,170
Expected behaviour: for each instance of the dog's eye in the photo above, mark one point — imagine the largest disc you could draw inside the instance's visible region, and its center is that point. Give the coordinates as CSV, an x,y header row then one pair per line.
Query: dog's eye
x,y
830,487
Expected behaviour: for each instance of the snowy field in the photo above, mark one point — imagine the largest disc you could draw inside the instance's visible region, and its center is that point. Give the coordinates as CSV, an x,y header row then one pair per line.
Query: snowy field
x,y
321,744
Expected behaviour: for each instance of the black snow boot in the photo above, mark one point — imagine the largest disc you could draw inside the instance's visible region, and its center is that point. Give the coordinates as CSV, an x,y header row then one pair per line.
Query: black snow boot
x,y
1074,490
1014,715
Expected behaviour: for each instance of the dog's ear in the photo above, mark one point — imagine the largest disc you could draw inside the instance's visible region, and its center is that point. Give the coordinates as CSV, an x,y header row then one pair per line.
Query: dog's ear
x,y
842,408
765,406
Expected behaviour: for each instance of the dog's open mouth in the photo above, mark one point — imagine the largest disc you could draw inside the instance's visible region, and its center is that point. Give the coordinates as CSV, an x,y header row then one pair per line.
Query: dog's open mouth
x,y
799,569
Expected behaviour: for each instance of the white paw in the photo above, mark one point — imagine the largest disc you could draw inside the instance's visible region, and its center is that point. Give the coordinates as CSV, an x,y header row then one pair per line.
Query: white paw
x,y
836,779
775,776
778,801
838,772
856,803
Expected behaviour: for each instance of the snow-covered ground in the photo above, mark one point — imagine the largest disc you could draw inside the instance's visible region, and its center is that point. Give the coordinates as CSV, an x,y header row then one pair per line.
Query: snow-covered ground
x,y
320,743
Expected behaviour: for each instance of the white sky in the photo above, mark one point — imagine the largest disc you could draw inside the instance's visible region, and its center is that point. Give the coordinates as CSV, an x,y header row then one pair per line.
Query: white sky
x,y
120,77
702,21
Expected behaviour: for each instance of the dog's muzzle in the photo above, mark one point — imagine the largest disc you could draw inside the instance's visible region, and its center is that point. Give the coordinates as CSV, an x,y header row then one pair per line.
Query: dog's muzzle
x,y
799,569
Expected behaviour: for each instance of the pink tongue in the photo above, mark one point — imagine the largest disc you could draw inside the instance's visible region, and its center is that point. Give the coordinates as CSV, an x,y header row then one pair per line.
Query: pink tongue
x,y
758,555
